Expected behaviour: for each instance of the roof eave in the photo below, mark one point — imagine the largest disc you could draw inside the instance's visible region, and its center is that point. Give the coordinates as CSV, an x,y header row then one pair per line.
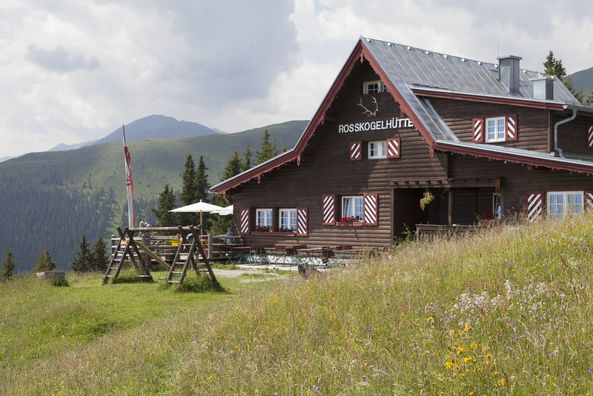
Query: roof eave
x,y
496,99
551,163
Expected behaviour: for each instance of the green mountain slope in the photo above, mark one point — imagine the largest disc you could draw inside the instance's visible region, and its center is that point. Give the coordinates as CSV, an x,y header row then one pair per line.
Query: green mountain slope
x,y
47,200
583,80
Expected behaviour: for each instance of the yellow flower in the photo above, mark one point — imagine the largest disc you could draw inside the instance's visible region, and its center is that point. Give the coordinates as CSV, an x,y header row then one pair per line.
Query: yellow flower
x,y
460,350
466,328
501,382
430,319
467,359
449,364
473,345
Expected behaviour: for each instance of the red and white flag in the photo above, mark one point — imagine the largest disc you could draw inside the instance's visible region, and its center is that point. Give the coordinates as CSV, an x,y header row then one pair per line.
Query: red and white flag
x,y
129,181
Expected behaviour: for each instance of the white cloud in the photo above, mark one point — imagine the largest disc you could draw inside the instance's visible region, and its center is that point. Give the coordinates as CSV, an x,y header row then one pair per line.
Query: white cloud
x,y
72,71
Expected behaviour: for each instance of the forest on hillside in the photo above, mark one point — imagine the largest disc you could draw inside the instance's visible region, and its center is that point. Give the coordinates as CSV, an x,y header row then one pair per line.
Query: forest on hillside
x,y
49,200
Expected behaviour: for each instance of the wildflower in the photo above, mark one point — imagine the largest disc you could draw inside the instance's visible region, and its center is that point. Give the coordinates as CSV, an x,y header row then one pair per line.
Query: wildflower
x,y
501,382
430,320
316,388
449,364
590,370
460,350
466,328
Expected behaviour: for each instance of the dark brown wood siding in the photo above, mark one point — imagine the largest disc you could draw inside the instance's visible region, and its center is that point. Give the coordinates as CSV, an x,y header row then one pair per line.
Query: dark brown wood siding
x,y
326,169
572,136
533,123
518,180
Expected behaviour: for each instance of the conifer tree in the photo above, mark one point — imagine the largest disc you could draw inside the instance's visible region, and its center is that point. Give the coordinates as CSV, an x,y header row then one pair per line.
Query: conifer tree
x,y
267,149
8,266
247,159
44,262
99,256
166,203
554,67
188,189
233,166
201,181
83,261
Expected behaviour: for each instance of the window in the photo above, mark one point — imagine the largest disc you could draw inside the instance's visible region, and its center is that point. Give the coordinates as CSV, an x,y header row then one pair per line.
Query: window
x,y
352,208
565,203
372,87
288,220
495,129
263,219
377,150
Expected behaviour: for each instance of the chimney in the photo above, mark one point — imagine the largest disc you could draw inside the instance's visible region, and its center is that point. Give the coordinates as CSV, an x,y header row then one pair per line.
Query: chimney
x,y
508,72
543,88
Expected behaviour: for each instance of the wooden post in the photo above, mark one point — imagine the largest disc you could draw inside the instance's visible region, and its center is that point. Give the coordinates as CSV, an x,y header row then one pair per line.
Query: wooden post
x,y
209,246
450,207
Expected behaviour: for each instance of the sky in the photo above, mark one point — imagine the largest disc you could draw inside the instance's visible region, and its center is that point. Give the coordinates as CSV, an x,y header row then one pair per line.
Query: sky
x,y
72,70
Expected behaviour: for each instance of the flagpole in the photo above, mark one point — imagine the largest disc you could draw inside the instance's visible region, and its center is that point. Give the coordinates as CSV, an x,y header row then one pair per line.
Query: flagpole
x,y
129,181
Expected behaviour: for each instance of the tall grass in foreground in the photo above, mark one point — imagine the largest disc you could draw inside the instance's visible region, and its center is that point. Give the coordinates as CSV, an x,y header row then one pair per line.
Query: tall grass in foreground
x,y
508,310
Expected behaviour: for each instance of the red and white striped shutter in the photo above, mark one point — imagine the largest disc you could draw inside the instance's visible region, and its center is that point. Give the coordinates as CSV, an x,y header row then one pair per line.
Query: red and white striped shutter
x,y
393,147
329,209
511,128
244,219
355,151
535,205
589,201
302,222
478,130
590,137
371,209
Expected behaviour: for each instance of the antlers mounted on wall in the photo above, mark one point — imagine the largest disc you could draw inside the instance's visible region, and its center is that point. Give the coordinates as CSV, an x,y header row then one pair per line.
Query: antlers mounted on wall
x,y
368,112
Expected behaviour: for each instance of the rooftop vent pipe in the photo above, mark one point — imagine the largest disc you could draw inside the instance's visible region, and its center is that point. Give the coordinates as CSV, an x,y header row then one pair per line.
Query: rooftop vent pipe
x,y
508,72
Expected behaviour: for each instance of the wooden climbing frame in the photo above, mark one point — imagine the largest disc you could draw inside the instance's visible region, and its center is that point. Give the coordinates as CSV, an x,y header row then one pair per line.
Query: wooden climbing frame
x,y
134,246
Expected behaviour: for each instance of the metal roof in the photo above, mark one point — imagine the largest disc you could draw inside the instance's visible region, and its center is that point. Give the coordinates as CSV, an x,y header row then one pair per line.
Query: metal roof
x,y
409,69
427,69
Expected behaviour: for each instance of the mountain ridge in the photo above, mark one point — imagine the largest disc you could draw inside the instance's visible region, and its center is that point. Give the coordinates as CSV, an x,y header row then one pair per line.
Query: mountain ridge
x,y
583,80
49,199
154,126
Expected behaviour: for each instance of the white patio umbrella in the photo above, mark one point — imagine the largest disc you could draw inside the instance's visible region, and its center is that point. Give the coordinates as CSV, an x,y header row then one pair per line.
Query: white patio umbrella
x,y
226,211
198,207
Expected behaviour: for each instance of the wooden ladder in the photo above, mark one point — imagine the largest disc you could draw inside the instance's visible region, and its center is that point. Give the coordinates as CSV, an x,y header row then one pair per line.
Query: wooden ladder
x,y
195,255
121,254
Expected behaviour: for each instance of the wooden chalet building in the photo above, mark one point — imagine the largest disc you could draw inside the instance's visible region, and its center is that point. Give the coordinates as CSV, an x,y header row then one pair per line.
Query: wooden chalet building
x,y
490,140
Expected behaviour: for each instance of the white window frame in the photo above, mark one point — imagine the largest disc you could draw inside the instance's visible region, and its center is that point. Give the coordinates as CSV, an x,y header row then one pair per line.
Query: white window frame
x,y
287,219
380,87
567,208
352,208
377,149
499,135
268,216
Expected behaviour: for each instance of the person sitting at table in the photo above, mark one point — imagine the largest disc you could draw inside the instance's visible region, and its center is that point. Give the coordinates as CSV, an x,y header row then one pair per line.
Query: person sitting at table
x,y
230,233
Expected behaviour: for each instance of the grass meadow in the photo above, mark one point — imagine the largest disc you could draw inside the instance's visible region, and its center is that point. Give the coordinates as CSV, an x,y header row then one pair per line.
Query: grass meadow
x,y
508,310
